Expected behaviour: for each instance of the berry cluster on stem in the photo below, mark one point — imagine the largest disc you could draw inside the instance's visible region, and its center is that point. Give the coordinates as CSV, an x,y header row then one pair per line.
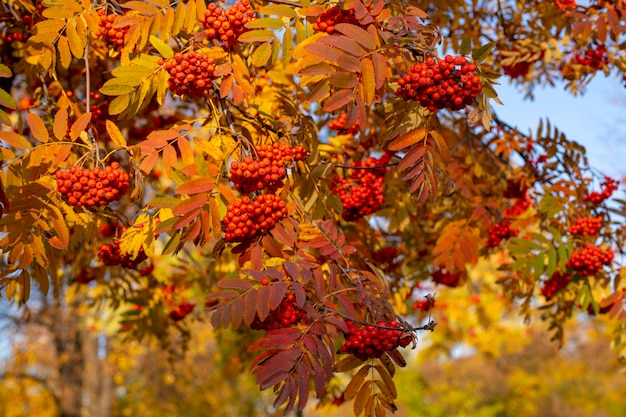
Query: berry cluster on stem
x,y
595,58
339,125
287,314
227,26
556,283
268,171
110,254
444,277
361,193
500,231
249,218
370,341
590,259
191,73
181,311
92,187
113,36
327,21
597,197
586,226
437,84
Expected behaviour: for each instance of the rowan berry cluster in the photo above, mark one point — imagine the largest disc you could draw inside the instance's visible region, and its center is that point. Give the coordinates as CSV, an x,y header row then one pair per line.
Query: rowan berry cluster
x,y
369,341
519,206
447,83
500,231
249,218
191,73
385,258
287,314
565,4
556,283
113,36
590,259
15,36
181,311
608,186
361,193
444,277
327,21
340,125
92,187
595,58
268,171
110,254
227,26
586,226
85,276
517,70
516,188
424,305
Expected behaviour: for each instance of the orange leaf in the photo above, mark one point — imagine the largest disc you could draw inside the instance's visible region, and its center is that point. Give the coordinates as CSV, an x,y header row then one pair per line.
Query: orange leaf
x,y
191,204
358,34
60,124
15,140
338,100
38,127
404,141
368,80
148,163
344,43
199,185
80,125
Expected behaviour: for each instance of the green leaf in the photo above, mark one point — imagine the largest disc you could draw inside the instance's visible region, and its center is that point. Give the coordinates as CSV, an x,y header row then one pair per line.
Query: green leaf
x,y
164,49
466,46
481,53
6,100
5,71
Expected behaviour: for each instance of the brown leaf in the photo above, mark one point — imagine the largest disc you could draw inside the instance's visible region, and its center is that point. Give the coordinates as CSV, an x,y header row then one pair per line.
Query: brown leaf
x,y
363,37
338,100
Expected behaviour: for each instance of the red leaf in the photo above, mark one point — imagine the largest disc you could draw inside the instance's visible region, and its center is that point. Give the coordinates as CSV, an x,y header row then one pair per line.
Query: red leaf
x,y
199,185
190,204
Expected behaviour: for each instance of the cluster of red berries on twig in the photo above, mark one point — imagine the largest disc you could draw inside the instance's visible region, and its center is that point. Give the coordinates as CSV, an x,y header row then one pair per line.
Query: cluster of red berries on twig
x,y
287,314
556,283
516,188
500,231
327,21
444,277
110,254
92,187
181,311
113,36
590,259
608,186
191,73
586,226
424,305
369,341
386,257
339,125
361,193
447,83
519,206
249,218
227,26
268,170
595,58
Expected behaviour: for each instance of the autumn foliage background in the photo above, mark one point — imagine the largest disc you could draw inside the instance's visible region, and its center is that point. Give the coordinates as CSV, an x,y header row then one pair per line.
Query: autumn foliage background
x,y
268,207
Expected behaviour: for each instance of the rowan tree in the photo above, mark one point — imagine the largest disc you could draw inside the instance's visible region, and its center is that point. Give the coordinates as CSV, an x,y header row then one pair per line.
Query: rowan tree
x,y
301,170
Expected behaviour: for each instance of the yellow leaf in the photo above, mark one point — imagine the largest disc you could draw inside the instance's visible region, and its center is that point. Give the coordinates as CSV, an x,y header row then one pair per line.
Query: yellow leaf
x,y
65,55
57,13
76,42
115,134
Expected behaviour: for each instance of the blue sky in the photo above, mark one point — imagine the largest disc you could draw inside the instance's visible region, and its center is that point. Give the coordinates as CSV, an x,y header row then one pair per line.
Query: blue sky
x,y
596,119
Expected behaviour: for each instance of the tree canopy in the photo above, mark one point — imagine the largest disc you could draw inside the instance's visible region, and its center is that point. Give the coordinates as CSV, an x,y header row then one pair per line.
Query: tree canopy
x,y
304,173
